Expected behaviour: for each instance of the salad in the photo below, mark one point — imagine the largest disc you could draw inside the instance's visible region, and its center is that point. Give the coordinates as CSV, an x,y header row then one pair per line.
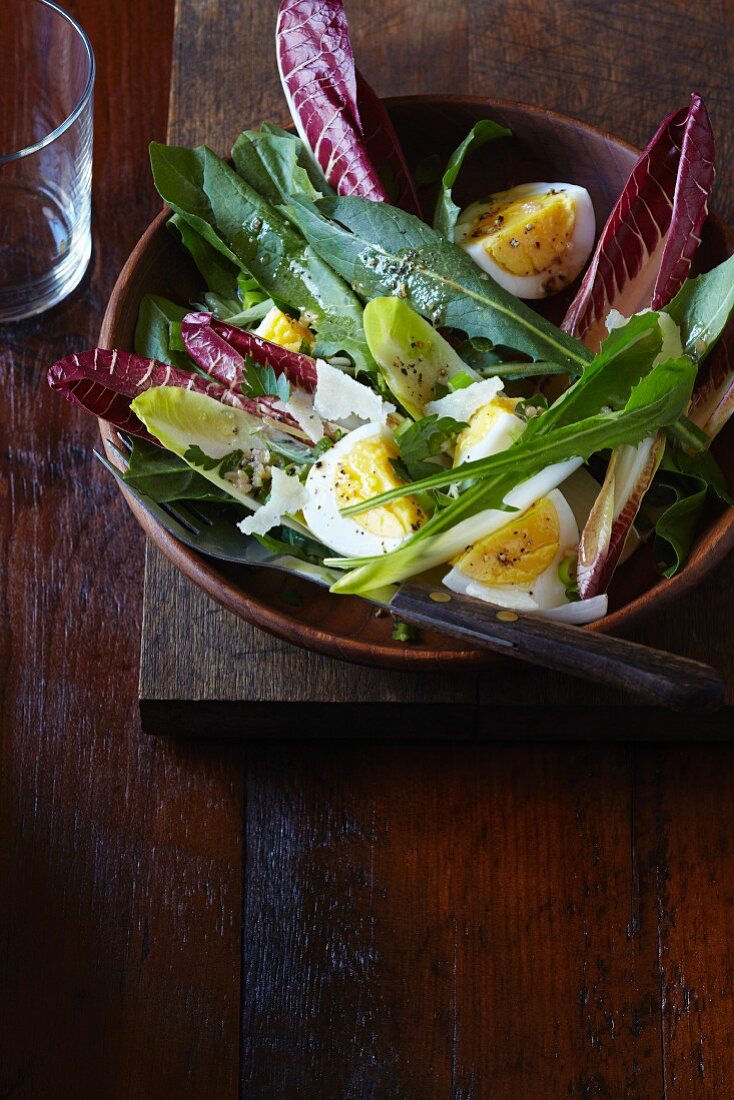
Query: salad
x,y
372,388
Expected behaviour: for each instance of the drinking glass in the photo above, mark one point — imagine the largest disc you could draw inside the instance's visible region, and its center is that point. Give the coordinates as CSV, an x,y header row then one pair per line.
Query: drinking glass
x,y
46,86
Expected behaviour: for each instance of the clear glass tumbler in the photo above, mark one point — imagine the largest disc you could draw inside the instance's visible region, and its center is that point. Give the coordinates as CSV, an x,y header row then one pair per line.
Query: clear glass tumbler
x,y
46,87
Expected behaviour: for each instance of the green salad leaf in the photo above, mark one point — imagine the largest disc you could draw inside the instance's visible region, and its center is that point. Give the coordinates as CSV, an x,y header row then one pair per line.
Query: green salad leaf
x,y
624,358
381,250
277,166
219,273
673,505
240,224
447,212
420,440
201,431
412,356
152,338
262,381
163,476
702,307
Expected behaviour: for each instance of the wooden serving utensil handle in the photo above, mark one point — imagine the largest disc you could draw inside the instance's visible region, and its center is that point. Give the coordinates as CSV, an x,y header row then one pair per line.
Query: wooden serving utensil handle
x,y
659,677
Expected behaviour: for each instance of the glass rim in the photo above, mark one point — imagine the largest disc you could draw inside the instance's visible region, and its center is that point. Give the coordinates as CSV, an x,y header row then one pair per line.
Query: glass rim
x,y
29,150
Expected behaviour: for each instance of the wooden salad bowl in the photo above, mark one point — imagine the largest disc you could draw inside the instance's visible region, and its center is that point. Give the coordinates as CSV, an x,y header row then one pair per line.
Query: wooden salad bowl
x,y
544,146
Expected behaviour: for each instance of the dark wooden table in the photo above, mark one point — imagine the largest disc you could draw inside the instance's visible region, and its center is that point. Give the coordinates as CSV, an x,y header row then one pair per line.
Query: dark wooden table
x,y
376,920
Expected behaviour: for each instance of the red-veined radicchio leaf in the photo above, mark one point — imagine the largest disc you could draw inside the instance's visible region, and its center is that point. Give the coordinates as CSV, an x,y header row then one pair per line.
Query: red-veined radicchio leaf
x,y
337,115
645,250
713,399
300,370
105,382
383,146
641,260
220,350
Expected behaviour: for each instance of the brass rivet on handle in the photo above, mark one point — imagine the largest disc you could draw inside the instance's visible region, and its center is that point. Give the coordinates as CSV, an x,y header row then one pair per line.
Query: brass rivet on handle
x,y
440,597
507,616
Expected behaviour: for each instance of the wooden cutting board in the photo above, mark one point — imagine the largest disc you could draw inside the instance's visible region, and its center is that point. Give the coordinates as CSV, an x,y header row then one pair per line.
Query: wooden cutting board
x,y
205,672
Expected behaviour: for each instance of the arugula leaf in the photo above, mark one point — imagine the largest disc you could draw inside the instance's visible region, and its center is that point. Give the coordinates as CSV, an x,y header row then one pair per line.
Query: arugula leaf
x,y
219,273
655,402
262,381
286,541
625,356
153,332
702,307
673,505
275,163
421,440
225,210
381,250
166,477
446,212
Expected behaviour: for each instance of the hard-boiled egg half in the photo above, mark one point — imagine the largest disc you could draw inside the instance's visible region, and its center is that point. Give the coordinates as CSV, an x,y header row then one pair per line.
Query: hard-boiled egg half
x,y
489,415
353,470
518,564
281,329
533,239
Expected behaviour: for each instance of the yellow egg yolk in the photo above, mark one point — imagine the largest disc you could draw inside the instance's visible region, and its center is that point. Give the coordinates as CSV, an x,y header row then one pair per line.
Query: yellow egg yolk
x,y
281,329
481,423
516,554
525,236
363,473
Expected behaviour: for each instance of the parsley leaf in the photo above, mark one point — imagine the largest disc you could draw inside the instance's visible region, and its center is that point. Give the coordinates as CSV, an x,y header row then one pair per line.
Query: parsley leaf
x,y
421,440
263,382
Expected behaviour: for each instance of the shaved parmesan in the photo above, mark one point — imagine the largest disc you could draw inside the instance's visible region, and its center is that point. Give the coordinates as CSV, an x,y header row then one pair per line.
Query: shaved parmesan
x,y
462,404
339,397
301,407
287,496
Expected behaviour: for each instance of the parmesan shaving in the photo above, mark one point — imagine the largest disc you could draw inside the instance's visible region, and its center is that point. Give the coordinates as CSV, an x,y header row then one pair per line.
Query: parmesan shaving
x,y
462,404
339,397
287,496
301,407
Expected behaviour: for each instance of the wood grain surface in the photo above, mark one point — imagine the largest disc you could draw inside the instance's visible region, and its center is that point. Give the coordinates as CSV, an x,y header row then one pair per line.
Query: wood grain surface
x,y
384,921
197,688
119,855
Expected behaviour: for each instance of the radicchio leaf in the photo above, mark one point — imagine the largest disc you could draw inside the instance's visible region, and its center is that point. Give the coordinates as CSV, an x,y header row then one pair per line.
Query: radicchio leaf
x,y
105,382
221,349
337,115
628,477
383,146
713,399
642,258
645,249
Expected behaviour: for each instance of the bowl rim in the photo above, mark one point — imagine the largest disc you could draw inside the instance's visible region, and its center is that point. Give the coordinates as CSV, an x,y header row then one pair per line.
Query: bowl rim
x,y
204,573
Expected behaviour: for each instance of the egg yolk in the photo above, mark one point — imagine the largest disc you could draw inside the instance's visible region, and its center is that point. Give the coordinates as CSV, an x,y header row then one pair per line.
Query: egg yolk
x,y
516,554
366,471
481,423
525,236
281,329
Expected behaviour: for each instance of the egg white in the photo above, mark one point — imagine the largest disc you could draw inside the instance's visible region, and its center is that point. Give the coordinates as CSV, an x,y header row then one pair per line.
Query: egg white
x,y
534,285
321,512
502,431
546,590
